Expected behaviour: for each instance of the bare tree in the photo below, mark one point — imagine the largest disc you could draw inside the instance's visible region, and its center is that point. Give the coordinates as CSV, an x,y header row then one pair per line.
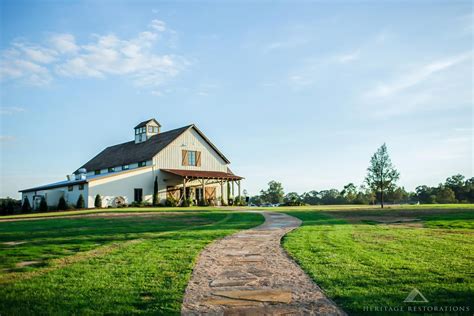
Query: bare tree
x,y
381,174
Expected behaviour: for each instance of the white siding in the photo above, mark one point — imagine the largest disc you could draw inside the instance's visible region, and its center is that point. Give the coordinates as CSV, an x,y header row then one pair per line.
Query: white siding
x,y
122,184
171,156
52,196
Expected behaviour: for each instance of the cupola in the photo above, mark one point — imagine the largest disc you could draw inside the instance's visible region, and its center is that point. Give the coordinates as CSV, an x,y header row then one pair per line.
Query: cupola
x,y
146,129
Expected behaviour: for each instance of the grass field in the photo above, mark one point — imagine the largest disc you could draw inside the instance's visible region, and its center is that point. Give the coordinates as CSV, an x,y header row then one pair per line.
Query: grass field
x,y
366,259
112,265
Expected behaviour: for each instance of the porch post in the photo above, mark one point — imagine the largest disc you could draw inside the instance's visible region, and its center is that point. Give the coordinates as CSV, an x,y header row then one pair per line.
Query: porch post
x,y
203,192
184,189
222,191
233,195
238,185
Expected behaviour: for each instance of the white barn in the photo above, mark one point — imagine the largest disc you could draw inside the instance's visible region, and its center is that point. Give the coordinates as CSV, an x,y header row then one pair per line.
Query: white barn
x,y
183,161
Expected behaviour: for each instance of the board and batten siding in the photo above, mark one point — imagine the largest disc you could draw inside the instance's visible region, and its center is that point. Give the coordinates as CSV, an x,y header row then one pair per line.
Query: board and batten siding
x,y
171,156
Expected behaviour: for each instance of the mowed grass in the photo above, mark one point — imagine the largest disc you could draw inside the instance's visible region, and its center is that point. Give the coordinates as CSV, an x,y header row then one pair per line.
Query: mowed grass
x,y
368,259
124,265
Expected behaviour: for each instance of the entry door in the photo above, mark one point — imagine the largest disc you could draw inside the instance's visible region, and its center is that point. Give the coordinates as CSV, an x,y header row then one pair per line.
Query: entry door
x,y
210,193
138,195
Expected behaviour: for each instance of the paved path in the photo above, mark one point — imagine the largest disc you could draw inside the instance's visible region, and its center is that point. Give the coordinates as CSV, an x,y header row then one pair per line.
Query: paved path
x,y
248,273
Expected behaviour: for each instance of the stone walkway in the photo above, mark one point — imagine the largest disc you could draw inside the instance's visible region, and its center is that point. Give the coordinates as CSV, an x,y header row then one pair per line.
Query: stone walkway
x,y
248,273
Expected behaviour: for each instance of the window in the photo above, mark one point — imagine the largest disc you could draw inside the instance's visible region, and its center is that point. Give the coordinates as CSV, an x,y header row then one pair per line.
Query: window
x,y
97,172
125,167
150,129
81,187
138,195
70,187
111,169
155,129
136,131
191,158
142,164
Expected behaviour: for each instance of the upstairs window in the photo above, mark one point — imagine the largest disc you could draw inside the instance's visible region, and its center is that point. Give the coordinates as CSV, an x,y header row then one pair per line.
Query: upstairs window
x,y
191,158
142,164
155,129
70,188
81,187
97,172
150,129
125,167
111,169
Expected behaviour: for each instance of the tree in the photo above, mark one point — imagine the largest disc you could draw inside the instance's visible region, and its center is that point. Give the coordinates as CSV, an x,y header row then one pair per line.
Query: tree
x,y
292,199
459,187
62,205
98,201
445,195
80,202
43,207
349,193
381,174
26,207
311,198
274,194
257,200
156,199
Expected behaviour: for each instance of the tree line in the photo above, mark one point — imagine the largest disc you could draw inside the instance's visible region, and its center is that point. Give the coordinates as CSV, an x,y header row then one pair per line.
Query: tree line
x,y
379,187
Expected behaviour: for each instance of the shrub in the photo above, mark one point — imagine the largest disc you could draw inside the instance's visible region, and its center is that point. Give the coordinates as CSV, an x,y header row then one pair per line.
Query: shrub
x,y
8,206
43,207
98,201
26,207
80,202
156,199
187,202
62,205
171,201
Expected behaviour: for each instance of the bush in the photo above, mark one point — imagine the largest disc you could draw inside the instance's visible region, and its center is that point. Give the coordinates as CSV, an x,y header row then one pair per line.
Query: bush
x,y
80,202
43,207
98,201
62,205
9,205
187,202
171,202
26,207
156,199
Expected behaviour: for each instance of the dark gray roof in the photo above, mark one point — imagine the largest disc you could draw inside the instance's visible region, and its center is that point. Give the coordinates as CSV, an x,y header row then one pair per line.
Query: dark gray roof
x,y
144,123
129,152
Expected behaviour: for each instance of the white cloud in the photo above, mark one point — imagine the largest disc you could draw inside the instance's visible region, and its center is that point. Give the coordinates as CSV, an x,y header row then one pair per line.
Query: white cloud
x,y
64,43
434,86
103,56
158,25
6,138
417,76
345,58
8,110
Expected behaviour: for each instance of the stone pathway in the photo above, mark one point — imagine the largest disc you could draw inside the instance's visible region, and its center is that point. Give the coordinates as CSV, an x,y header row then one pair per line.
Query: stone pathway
x,y
248,273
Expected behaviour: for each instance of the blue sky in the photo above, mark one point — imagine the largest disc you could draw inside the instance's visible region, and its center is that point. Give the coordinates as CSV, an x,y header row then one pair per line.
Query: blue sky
x,y
300,92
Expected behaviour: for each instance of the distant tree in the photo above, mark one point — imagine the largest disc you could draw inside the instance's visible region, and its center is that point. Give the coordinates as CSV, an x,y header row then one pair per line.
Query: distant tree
x,y
43,207
445,195
257,200
62,205
274,194
156,199
26,207
470,190
381,174
98,201
80,202
459,187
311,198
292,199
349,193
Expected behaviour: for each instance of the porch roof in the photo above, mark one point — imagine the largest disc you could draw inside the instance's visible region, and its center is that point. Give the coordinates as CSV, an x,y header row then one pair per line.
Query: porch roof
x,y
198,174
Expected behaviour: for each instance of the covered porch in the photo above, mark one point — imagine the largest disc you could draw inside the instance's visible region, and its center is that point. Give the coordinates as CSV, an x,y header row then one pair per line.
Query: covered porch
x,y
204,187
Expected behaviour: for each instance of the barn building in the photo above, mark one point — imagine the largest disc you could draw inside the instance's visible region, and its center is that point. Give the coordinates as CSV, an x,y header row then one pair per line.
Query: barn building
x,y
183,162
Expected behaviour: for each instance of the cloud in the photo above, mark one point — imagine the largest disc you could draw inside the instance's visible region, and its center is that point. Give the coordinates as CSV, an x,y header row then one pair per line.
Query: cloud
x,y
8,110
158,25
6,138
345,58
435,85
64,43
102,57
417,76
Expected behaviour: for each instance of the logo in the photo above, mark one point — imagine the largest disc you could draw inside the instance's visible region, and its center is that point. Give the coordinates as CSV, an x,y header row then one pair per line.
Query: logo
x,y
415,296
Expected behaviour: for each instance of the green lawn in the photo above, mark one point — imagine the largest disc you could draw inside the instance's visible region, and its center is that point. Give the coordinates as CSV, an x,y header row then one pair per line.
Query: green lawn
x,y
366,259
127,265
